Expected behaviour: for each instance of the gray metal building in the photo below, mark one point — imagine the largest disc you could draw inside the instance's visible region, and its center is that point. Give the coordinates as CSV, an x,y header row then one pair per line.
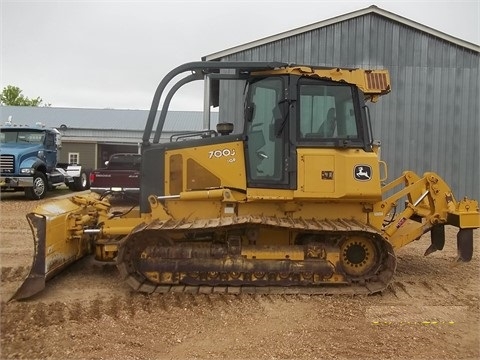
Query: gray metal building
x,y
430,120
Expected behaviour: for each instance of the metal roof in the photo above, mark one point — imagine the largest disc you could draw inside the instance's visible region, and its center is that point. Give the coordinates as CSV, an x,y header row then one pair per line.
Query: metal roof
x,y
100,119
369,10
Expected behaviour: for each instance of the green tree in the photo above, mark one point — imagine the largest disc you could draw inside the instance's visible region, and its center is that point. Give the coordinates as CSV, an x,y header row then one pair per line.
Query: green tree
x,y
12,96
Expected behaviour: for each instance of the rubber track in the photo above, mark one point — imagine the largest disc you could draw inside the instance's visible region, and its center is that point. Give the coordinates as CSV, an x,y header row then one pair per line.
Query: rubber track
x,y
327,225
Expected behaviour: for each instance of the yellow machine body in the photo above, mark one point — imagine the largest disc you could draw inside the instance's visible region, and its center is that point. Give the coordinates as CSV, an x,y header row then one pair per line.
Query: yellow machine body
x,y
293,203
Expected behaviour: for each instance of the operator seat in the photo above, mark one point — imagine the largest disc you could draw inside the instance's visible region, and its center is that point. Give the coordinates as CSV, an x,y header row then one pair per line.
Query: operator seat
x,y
328,126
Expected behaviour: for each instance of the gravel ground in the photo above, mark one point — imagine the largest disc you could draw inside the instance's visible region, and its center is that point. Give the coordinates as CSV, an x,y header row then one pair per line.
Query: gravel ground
x,y
430,311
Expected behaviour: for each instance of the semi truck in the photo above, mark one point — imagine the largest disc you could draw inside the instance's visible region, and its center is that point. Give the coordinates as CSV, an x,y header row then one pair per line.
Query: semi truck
x,y
29,161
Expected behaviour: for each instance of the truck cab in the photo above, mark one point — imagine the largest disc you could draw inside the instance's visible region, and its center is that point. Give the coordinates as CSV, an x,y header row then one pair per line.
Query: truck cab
x,y
29,161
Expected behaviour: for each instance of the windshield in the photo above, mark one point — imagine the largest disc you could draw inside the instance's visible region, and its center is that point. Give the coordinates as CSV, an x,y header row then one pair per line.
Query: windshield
x,y
30,137
125,162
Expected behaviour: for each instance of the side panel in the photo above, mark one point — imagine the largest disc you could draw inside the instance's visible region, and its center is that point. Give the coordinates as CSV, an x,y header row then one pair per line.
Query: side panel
x,y
169,169
204,167
345,174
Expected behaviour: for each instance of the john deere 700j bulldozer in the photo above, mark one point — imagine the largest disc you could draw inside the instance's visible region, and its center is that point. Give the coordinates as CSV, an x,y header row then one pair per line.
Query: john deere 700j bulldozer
x,y
292,202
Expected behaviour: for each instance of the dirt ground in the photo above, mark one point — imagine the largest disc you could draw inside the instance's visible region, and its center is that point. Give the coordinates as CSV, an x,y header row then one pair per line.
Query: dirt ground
x,y
430,311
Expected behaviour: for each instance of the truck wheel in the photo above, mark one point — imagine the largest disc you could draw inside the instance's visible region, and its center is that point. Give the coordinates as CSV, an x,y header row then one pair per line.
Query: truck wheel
x,y
39,188
82,182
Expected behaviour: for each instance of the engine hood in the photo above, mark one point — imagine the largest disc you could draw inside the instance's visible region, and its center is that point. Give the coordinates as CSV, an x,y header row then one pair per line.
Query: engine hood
x,y
20,149
25,155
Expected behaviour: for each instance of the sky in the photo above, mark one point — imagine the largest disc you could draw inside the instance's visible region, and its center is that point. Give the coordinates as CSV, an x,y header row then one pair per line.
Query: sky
x,y
112,54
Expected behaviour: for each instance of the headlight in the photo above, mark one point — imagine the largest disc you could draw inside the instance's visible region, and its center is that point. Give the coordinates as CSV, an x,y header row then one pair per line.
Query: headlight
x,y
27,171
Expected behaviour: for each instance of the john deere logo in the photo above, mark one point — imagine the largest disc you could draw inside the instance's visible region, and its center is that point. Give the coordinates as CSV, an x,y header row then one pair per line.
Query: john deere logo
x,y
362,172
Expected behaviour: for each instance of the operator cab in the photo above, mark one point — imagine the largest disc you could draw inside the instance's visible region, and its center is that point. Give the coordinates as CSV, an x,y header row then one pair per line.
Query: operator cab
x,y
302,130
286,112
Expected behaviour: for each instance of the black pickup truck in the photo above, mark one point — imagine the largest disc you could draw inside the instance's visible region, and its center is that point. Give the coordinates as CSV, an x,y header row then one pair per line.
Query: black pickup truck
x,y
121,176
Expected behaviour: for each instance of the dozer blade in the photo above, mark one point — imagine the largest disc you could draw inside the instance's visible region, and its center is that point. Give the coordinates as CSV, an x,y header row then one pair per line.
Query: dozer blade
x,y
57,243
35,281
465,245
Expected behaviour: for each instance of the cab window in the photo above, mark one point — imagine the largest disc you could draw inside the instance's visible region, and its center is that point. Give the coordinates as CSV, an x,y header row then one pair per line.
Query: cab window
x,y
265,134
326,111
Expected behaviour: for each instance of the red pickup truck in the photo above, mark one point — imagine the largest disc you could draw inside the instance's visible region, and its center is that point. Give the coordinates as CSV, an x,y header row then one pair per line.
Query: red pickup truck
x,y
121,176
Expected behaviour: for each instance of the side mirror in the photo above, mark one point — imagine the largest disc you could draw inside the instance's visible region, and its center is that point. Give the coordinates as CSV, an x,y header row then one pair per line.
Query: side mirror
x,y
249,112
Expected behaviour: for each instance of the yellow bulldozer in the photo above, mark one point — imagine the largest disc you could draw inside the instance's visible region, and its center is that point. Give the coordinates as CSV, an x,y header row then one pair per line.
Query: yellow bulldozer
x,y
295,201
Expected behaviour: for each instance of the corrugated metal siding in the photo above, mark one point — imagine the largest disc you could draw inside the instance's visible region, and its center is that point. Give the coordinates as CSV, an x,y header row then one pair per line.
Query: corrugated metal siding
x,y
101,135
430,121
107,119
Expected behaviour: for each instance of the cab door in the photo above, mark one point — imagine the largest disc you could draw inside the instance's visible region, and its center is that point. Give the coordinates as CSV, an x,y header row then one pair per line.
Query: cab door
x,y
50,151
267,132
